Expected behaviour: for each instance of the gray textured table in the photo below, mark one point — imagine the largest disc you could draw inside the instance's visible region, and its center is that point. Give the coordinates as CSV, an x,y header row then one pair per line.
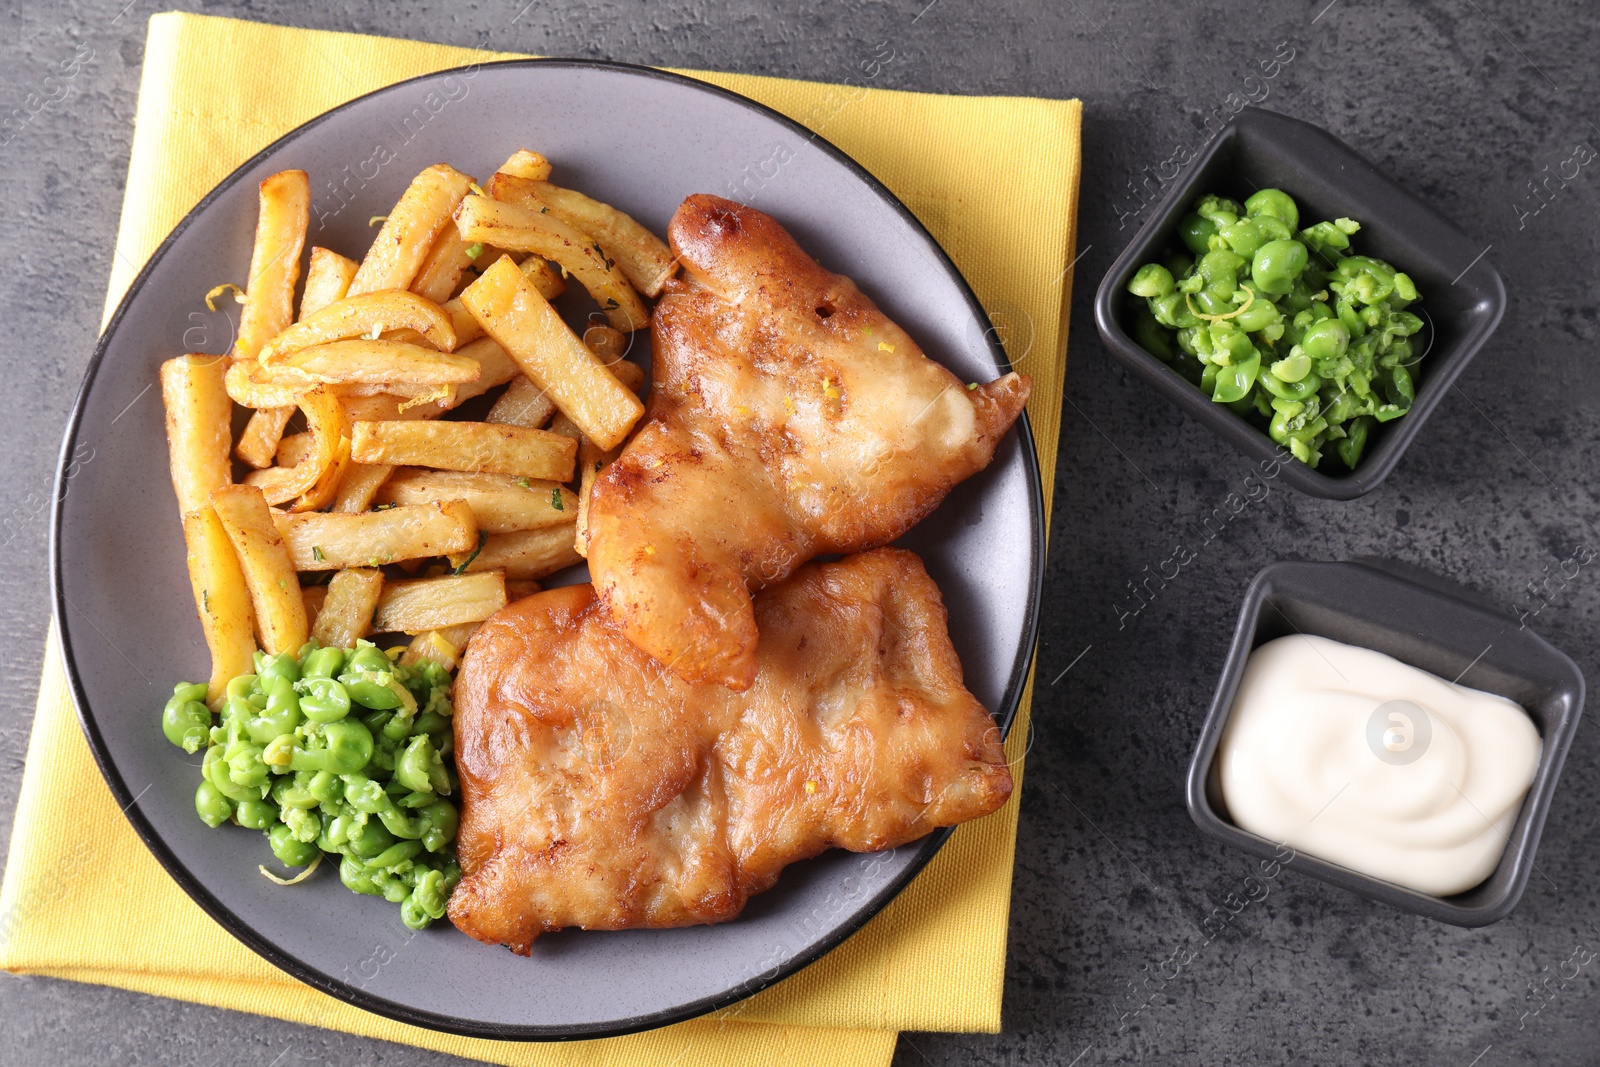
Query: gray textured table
x,y
1466,100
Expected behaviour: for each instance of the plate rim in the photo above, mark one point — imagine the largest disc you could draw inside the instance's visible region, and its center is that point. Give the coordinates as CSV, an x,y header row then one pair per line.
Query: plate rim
x,y
927,847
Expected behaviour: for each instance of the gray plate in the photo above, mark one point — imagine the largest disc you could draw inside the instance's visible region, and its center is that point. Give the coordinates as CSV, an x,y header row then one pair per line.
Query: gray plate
x,y
642,140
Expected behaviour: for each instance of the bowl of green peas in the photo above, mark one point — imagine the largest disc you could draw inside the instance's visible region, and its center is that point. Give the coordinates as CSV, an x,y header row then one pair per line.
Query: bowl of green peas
x,y
1299,302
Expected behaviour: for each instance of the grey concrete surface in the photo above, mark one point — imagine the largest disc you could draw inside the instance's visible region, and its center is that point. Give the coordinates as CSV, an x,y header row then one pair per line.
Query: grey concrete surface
x,y
1466,100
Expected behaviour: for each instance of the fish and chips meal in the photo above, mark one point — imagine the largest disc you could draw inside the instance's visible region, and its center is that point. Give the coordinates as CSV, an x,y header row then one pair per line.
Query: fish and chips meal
x,y
422,439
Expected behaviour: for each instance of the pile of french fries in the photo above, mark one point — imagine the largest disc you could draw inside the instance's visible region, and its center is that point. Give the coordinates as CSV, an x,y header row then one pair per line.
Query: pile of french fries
x,y
380,517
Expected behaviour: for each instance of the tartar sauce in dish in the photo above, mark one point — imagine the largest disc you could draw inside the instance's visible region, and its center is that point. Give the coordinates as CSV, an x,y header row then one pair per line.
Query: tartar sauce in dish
x,y
1353,756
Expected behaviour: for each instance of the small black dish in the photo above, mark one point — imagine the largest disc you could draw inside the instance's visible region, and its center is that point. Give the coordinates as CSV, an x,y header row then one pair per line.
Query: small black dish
x,y
1462,296
1427,622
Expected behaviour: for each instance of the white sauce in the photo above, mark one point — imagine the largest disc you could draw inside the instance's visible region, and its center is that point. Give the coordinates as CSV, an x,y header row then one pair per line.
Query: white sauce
x,y
1421,793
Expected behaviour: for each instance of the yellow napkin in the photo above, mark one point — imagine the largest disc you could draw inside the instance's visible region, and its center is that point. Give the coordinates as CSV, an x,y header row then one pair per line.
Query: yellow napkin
x,y
995,180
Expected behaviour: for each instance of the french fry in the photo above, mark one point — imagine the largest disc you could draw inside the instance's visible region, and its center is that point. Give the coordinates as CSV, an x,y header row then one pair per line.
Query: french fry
x,y
269,573
534,268
465,326
384,363
331,541
222,599
610,347
429,647
499,503
566,427
347,613
314,596
361,316
285,210
195,395
525,163
263,435
532,333
420,604
525,553
460,634
523,229
253,386
314,480
541,276
328,279
415,222
643,257
360,484
447,261
607,342
298,447
592,459
522,404
517,588
466,446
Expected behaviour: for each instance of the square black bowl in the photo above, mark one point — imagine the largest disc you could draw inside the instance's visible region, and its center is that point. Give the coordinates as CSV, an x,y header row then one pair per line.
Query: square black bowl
x,y
1462,296
1428,622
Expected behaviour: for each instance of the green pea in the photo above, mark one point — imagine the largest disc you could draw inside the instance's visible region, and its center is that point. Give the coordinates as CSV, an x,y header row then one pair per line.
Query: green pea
x,y
1196,232
1355,441
431,893
1152,279
1220,269
254,814
1234,380
368,657
1404,287
396,853
368,692
217,771
213,807
1274,203
369,840
357,878
1326,339
280,716
284,665
1400,390
185,720
291,792
323,663
326,786
440,820
1272,228
420,768
1219,209
291,851
1258,316
1282,389
323,699
1243,236
1212,303
430,722
1293,367
349,749
1276,265
245,766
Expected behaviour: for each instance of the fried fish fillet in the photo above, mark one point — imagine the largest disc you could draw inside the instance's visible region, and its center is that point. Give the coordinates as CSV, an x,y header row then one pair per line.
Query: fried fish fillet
x,y
788,417
600,790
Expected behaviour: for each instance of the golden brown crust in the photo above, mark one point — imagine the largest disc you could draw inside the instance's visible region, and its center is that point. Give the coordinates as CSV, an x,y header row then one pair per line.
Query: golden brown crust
x,y
600,790
788,417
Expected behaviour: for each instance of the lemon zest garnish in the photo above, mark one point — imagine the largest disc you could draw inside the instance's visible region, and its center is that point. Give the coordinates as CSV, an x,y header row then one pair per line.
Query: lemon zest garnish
x,y
649,550
1219,318
297,879
828,389
885,346
811,787
374,220
211,297
741,409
